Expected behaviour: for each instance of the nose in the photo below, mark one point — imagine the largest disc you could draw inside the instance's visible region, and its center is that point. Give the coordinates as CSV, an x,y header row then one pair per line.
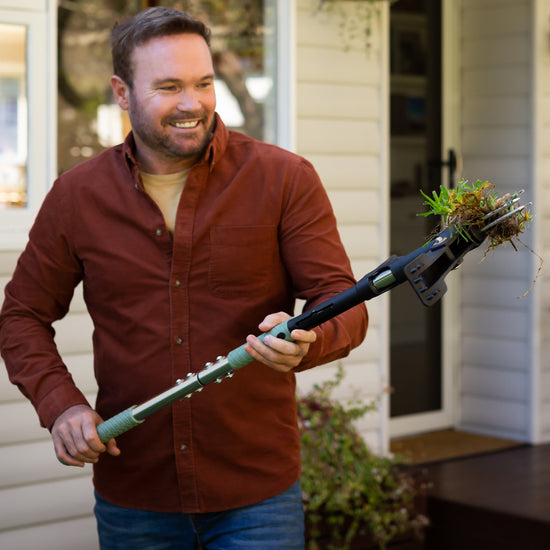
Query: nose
x,y
188,101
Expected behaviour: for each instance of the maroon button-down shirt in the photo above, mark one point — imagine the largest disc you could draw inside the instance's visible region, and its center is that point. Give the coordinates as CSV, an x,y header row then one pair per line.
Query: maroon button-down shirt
x,y
254,231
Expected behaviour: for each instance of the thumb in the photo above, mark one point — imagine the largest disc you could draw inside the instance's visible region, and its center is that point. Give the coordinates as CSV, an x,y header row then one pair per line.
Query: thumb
x,y
112,448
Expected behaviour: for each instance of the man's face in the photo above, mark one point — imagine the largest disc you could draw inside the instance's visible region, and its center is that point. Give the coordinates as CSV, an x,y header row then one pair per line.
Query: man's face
x,y
172,103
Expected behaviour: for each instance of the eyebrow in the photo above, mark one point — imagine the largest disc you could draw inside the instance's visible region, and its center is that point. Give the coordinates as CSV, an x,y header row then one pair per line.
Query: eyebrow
x,y
160,81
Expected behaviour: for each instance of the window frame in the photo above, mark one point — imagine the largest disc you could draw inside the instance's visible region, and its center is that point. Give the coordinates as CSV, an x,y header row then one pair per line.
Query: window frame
x,y
41,77
285,102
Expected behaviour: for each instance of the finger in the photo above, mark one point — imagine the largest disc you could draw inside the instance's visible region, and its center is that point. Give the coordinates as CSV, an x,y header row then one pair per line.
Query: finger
x,y
273,348
272,320
299,335
63,437
72,438
64,456
283,356
91,441
280,346
83,449
110,446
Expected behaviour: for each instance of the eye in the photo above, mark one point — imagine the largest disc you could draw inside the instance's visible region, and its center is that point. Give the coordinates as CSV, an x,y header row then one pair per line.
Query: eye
x,y
168,87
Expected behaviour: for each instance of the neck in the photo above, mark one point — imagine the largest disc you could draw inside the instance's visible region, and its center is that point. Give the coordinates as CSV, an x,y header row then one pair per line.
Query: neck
x,y
152,164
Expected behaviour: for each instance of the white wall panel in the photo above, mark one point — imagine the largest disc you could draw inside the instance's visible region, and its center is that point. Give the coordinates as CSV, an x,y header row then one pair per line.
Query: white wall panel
x,y
360,241
19,464
353,136
325,65
504,81
347,171
509,49
497,143
541,381
45,502
486,111
507,18
495,383
509,417
64,535
340,129
334,101
355,206
479,349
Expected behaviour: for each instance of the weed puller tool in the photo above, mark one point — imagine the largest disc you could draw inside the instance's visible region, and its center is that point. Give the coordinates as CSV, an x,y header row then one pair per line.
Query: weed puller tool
x,y
425,269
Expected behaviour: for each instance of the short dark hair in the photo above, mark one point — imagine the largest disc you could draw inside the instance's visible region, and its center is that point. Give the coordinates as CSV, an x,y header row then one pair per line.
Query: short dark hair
x,y
150,23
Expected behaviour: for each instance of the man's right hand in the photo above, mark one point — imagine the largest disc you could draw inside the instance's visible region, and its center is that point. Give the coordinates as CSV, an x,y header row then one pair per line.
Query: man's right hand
x,y
75,437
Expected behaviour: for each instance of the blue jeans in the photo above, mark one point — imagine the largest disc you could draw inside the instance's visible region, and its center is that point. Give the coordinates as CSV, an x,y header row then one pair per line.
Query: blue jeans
x,y
274,524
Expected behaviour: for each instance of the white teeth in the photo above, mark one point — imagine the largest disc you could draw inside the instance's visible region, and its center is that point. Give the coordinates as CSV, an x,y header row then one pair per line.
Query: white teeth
x,y
185,124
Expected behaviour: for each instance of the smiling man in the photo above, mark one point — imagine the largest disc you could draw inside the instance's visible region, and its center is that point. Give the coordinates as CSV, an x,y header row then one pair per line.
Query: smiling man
x,y
170,98
184,237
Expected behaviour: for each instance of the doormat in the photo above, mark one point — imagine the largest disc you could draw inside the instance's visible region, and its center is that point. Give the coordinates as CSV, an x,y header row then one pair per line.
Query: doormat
x,y
447,445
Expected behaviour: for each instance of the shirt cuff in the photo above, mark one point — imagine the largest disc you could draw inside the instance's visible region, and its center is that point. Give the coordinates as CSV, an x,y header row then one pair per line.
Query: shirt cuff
x,y
57,402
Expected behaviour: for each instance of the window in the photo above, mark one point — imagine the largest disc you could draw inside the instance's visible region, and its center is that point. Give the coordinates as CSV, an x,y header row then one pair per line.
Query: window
x,y
49,124
13,117
25,118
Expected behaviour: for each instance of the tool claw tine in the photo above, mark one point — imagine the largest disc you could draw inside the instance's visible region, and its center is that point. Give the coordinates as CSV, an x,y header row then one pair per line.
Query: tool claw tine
x,y
504,216
507,204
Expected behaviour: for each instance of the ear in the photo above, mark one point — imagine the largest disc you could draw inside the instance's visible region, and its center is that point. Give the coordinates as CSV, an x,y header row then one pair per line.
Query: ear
x,y
121,91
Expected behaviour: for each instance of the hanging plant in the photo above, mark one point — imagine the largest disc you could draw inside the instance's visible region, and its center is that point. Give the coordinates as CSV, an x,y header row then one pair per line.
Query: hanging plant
x,y
356,17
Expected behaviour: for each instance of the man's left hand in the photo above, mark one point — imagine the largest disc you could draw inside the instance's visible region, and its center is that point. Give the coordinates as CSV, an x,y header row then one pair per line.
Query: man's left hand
x,y
278,354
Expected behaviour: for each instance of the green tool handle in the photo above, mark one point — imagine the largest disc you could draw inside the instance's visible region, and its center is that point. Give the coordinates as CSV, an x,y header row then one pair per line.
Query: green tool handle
x,y
118,424
239,358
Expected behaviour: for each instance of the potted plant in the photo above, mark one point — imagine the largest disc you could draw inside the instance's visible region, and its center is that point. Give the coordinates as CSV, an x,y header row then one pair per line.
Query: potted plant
x,y
349,492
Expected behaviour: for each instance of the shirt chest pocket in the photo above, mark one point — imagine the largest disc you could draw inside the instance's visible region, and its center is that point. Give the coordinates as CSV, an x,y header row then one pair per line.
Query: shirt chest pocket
x,y
242,259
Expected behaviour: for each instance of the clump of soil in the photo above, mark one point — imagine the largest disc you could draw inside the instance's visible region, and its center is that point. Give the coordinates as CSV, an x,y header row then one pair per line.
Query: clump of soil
x,y
479,208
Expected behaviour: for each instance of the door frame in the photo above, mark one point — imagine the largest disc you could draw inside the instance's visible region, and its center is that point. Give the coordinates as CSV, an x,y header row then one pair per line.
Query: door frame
x,y
448,415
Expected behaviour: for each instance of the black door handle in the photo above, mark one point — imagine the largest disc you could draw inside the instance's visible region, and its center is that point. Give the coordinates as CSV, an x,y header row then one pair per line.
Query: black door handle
x,y
451,163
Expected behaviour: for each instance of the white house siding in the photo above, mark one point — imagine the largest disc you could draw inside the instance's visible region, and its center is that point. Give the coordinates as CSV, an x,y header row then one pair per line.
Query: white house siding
x,y
499,356
341,127
42,503
542,116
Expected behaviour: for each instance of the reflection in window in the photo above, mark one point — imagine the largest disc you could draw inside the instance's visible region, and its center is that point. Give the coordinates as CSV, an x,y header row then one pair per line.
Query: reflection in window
x,y
243,35
13,117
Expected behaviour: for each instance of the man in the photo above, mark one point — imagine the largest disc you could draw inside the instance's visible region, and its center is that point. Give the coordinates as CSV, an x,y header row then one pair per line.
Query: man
x,y
184,237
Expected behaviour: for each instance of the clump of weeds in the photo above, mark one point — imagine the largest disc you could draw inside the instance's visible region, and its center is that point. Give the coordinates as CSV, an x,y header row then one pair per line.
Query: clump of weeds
x,y
501,219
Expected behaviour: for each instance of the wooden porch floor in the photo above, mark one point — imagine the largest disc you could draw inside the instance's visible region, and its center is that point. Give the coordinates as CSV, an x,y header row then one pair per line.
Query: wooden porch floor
x,y
494,501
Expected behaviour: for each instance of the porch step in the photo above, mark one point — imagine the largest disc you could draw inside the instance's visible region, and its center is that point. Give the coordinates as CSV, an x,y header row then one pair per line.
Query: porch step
x,y
496,501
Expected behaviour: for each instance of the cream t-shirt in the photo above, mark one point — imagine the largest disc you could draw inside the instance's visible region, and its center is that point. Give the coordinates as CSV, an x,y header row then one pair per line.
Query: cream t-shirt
x,y
165,190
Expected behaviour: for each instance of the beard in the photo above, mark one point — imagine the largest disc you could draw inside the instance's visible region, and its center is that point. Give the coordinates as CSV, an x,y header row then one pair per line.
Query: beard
x,y
159,138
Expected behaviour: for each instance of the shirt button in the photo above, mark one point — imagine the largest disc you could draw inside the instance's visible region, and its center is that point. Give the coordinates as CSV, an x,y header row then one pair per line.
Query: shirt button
x,y
177,283
179,340
158,232
183,447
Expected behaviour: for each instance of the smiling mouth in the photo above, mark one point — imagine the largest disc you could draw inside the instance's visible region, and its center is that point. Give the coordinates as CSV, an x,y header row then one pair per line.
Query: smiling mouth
x,y
188,124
